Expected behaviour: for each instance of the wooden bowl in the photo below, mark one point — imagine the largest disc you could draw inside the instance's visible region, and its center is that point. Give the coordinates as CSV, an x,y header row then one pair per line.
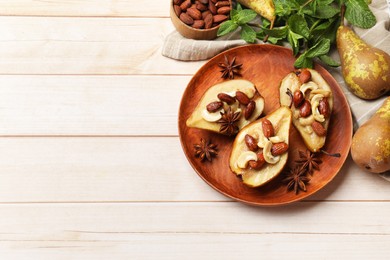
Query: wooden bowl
x,y
192,33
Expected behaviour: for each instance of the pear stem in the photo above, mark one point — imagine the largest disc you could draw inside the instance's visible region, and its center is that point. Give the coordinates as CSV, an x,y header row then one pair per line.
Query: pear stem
x,y
342,12
271,27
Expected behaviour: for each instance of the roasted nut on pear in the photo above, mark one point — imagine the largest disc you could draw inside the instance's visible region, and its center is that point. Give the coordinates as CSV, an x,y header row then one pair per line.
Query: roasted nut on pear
x,y
219,99
311,118
260,167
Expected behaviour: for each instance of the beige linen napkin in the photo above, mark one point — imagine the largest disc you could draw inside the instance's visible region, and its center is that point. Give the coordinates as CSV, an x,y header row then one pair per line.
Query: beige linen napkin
x,y
180,48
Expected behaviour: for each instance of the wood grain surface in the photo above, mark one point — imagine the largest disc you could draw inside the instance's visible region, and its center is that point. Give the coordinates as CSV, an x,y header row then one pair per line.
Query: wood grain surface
x,y
91,162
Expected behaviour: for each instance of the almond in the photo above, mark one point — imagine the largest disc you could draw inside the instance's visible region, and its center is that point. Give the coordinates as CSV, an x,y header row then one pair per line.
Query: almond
x,y
201,7
305,109
226,98
318,128
222,3
323,107
304,76
219,18
268,129
212,8
279,148
208,21
251,143
177,10
242,97
298,98
205,13
214,106
205,2
185,18
198,24
249,109
185,5
256,165
194,13
177,2
223,10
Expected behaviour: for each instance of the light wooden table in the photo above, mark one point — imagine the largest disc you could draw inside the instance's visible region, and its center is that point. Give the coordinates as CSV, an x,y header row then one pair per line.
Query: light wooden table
x,y
91,165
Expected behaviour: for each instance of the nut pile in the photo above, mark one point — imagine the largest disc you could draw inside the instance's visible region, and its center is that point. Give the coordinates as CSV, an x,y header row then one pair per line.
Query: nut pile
x,y
316,109
202,14
248,104
266,148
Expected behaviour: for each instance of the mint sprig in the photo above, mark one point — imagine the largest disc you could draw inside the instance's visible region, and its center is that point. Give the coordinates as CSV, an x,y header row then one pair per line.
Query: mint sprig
x,y
309,26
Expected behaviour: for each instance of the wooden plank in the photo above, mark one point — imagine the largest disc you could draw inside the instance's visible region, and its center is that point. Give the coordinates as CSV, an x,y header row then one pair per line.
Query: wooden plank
x,y
150,230
72,105
107,8
202,246
59,45
131,169
83,220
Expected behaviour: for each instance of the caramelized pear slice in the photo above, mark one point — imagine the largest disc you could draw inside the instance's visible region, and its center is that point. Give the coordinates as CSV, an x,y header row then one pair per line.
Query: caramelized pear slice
x,y
281,121
313,91
204,119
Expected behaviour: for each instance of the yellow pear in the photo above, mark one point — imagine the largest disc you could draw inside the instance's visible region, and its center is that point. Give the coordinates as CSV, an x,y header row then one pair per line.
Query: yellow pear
x,y
264,8
259,156
224,98
366,69
311,113
370,148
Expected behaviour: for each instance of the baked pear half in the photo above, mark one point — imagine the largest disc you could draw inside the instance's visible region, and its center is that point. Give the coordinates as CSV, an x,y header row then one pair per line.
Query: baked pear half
x,y
227,107
260,150
311,101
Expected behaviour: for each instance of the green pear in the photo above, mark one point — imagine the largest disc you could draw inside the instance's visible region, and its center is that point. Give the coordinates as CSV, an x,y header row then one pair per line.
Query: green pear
x,y
370,148
366,69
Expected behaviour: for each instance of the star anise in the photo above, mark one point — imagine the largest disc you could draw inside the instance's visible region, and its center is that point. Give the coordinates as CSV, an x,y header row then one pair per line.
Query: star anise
x,y
308,161
229,68
205,150
229,122
296,179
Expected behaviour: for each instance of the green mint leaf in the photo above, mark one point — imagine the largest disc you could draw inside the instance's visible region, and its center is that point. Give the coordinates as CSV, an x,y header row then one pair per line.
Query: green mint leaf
x,y
320,48
285,7
324,2
358,14
233,15
273,40
246,15
326,30
247,33
293,39
238,7
277,32
303,62
298,25
227,27
324,12
329,61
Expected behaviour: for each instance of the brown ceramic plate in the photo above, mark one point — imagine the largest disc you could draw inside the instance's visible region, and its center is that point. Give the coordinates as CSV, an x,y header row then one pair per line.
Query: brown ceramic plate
x,y
265,66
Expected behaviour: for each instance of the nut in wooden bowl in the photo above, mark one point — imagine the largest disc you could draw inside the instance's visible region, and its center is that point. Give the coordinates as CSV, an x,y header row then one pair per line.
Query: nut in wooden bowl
x,y
199,19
